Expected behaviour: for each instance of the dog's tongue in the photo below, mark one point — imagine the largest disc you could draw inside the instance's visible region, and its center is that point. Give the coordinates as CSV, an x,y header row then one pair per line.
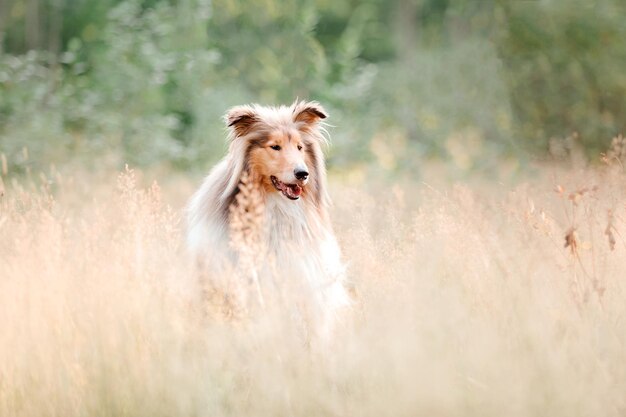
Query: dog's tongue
x,y
293,190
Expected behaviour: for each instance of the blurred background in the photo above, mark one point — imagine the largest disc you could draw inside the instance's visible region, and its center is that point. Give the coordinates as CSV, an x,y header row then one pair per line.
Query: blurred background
x,y
469,84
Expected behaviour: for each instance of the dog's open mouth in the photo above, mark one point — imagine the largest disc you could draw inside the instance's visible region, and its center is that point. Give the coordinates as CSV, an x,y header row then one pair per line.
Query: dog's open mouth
x,y
291,191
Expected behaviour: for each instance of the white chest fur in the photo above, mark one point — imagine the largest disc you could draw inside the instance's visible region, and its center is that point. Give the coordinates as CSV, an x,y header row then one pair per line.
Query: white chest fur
x,y
304,252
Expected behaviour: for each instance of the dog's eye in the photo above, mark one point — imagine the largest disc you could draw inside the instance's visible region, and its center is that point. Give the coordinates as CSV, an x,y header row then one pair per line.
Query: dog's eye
x,y
275,147
299,147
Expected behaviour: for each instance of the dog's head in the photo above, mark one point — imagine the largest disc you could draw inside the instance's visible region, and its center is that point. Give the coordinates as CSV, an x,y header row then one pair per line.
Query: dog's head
x,y
280,146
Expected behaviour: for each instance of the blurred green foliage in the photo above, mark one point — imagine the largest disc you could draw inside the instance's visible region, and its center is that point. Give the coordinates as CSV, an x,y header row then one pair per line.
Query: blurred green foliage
x,y
148,81
565,65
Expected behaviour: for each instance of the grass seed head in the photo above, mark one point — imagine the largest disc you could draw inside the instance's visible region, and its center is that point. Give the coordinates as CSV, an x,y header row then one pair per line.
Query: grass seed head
x,y
571,241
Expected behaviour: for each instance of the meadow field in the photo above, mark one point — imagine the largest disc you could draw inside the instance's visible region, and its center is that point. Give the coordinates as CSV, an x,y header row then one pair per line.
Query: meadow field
x,y
473,298
478,199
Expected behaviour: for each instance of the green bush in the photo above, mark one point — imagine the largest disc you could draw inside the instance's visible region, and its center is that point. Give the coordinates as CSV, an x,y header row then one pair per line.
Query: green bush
x,y
564,66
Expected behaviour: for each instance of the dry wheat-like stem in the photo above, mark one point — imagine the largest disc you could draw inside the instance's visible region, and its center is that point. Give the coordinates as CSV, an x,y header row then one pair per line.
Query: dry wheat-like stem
x,y
616,152
246,215
609,230
3,164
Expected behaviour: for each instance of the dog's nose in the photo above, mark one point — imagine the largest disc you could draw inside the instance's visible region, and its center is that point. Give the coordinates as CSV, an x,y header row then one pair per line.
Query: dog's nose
x,y
301,174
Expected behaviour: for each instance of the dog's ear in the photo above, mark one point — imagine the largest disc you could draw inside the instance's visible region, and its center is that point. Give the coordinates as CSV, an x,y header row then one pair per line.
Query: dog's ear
x,y
241,119
308,112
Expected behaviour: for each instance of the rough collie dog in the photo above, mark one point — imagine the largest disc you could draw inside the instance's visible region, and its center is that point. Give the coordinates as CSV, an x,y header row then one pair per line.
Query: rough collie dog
x,y
273,179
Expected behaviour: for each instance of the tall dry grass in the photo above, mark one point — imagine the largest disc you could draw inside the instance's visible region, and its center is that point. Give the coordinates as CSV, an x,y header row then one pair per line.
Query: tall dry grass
x,y
469,303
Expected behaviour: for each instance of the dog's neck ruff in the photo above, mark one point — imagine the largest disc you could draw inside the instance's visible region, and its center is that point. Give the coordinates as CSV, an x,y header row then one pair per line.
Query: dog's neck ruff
x,y
304,248
288,219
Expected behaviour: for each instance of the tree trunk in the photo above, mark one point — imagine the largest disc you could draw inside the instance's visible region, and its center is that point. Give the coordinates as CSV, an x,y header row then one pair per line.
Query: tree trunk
x,y
4,21
55,26
32,24
406,30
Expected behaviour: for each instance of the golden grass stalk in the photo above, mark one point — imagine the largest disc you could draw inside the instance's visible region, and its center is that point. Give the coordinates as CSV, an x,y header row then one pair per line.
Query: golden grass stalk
x,y
247,215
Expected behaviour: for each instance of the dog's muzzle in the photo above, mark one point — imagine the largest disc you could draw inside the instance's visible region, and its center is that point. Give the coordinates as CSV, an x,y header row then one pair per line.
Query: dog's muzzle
x,y
291,191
